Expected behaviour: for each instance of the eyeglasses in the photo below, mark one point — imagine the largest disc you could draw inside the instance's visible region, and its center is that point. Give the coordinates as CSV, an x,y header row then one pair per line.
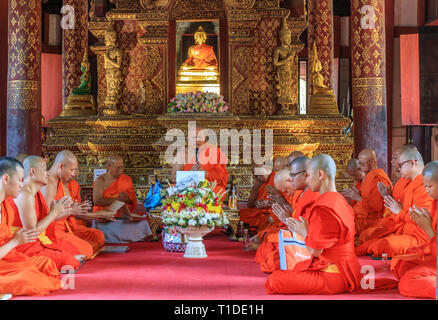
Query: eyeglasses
x,y
400,164
293,175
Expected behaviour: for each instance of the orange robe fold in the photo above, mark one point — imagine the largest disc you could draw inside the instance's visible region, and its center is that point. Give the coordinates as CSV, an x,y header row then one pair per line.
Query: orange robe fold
x,y
336,269
402,233
214,162
203,56
19,274
417,269
267,253
63,230
54,250
93,236
251,215
358,186
379,227
370,209
122,184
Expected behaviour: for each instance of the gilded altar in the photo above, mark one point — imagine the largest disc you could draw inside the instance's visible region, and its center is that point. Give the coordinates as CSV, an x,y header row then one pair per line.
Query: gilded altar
x,y
139,61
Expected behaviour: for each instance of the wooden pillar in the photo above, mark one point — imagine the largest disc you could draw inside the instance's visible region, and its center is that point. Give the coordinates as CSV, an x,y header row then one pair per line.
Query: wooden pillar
x,y
320,31
369,78
3,73
24,78
74,43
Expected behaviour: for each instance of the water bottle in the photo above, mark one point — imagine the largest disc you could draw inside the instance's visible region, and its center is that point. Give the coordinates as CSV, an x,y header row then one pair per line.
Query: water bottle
x,y
245,237
240,231
385,262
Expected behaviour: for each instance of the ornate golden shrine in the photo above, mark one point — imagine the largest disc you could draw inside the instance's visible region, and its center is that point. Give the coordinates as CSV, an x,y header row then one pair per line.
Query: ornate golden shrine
x,y
248,80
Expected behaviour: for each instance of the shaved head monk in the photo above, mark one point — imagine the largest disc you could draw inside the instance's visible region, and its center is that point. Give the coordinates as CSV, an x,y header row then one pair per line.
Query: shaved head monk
x,y
113,186
329,237
258,199
204,157
354,172
417,270
401,232
267,254
32,212
280,163
19,274
21,156
369,206
63,170
293,155
397,193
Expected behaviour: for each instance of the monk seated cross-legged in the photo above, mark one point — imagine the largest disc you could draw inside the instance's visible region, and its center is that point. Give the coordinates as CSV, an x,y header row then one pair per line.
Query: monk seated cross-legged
x,y
368,207
379,229
417,269
113,186
203,156
402,233
268,252
32,212
329,237
20,274
259,211
63,170
281,192
355,173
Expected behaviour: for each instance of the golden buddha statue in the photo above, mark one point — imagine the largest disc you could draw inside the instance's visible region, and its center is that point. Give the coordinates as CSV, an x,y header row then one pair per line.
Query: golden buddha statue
x,y
200,72
286,62
315,71
112,65
200,56
323,100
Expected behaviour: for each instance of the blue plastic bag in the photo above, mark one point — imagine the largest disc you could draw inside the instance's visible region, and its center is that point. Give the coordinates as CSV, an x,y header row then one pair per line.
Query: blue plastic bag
x,y
153,198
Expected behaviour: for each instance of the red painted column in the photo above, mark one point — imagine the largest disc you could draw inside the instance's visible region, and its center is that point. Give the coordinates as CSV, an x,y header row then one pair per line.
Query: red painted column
x,y
24,78
369,78
74,42
320,31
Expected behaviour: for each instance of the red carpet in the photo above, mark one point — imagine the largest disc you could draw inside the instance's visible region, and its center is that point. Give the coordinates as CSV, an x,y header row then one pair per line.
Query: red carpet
x,y
150,273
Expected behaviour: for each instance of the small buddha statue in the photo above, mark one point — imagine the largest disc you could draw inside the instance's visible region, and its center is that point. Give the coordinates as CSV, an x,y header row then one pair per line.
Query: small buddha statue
x,y
315,70
85,86
201,56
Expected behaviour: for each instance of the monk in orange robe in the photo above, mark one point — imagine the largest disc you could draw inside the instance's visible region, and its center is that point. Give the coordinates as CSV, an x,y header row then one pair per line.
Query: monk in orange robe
x,y
31,212
417,269
402,233
356,174
62,171
202,156
258,202
268,252
113,186
19,274
329,237
379,229
369,207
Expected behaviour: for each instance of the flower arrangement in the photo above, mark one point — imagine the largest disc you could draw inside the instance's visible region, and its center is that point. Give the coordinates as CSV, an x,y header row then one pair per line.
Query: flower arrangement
x,y
198,102
194,206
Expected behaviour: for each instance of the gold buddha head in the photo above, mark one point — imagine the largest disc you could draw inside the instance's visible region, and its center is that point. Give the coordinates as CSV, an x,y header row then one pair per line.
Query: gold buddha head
x,y
285,33
200,35
110,37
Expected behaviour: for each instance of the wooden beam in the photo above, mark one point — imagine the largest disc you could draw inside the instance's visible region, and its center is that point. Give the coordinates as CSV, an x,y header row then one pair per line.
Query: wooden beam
x,y
421,12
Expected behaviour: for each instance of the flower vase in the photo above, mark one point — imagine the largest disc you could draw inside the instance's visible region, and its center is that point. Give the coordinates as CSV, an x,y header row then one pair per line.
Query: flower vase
x,y
195,247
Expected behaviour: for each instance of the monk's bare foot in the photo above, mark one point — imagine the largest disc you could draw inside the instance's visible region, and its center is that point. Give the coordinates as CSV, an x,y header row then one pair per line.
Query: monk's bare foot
x,y
251,246
80,257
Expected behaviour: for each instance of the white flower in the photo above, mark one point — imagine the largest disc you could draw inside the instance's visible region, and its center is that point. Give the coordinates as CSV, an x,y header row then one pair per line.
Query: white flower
x,y
208,216
203,221
226,221
192,222
218,223
173,220
181,222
